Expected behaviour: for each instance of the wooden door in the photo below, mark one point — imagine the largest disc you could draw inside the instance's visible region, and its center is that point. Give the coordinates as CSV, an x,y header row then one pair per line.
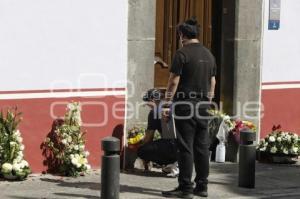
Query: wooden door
x,y
168,14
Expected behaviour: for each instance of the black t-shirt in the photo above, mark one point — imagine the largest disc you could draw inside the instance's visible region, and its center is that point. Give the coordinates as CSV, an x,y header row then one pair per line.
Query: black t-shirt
x,y
196,65
154,122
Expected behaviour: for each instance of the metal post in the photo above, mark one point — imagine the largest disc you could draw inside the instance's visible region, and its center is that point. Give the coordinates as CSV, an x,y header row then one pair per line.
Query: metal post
x,y
247,159
110,172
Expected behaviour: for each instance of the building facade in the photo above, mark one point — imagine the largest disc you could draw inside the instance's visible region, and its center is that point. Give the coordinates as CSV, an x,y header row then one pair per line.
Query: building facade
x,y
102,54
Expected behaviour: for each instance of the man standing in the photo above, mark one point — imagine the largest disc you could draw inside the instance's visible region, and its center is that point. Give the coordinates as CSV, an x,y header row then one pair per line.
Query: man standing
x,y
191,88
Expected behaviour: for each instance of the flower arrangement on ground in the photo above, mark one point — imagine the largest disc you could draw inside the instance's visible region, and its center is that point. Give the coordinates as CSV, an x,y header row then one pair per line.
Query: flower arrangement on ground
x,y
134,137
67,145
13,165
280,143
240,125
223,130
234,127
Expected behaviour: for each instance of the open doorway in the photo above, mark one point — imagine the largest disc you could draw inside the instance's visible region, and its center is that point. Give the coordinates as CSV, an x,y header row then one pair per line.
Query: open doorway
x,y
168,14
217,19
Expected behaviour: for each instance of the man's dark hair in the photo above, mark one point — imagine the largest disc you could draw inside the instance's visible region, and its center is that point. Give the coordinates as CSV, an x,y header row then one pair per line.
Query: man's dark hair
x,y
189,29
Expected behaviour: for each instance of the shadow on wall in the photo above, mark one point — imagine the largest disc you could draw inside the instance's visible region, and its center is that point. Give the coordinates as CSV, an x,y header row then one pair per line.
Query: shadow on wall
x,y
118,132
50,161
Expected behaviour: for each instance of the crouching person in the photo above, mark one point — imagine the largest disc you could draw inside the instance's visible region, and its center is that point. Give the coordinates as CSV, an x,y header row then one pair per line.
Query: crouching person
x,y
162,151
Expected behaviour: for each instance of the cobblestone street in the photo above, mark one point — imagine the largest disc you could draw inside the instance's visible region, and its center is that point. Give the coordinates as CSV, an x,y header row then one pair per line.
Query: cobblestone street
x,y
272,181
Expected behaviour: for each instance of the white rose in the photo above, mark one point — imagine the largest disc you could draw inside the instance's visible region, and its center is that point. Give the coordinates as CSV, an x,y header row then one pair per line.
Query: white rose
x,y
272,138
19,158
78,165
7,168
22,147
17,133
285,151
69,139
16,167
273,149
64,141
84,161
24,163
74,161
279,139
20,139
72,156
76,147
86,153
12,143
295,149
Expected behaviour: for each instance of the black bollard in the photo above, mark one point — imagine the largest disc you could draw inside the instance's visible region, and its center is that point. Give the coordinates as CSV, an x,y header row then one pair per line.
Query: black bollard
x,y
110,172
247,158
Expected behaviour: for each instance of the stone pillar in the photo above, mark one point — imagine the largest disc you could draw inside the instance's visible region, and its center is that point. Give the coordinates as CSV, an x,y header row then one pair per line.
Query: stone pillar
x,y
248,38
141,44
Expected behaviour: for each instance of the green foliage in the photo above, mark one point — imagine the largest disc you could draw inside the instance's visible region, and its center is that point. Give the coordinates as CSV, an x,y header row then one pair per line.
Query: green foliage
x,y
11,148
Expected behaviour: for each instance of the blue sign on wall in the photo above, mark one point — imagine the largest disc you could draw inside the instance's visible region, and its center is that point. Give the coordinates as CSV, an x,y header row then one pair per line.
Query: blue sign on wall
x,y
274,14
274,24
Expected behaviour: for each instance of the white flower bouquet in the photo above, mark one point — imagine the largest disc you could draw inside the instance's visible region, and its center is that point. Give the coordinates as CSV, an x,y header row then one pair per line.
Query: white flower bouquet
x,y
280,143
67,145
12,163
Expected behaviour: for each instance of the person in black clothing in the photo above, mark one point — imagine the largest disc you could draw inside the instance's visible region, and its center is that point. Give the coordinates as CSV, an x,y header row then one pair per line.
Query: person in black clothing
x,y
191,88
162,151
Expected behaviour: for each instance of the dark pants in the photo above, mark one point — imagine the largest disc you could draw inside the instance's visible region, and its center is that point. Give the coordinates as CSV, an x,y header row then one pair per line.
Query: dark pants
x,y
193,145
162,151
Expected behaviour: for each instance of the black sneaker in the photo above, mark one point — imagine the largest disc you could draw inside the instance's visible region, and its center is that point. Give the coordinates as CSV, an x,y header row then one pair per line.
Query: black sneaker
x,y
177,193
201,191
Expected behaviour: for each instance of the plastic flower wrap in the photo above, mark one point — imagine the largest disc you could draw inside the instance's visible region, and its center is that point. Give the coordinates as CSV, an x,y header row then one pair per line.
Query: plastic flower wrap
x,y
135,135
67,145
220,125
280,142
12,163
222,117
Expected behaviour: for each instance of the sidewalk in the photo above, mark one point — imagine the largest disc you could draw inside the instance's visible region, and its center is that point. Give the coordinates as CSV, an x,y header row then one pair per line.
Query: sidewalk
x,y
272,181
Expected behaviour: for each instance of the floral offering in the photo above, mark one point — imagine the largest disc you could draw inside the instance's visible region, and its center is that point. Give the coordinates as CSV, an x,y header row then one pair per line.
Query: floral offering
x,y
68,145
12,163
280,142
240,125
135,135
218,117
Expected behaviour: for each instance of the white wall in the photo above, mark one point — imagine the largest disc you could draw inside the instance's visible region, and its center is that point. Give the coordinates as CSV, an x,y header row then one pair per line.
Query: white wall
x,y
47,44
281,48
